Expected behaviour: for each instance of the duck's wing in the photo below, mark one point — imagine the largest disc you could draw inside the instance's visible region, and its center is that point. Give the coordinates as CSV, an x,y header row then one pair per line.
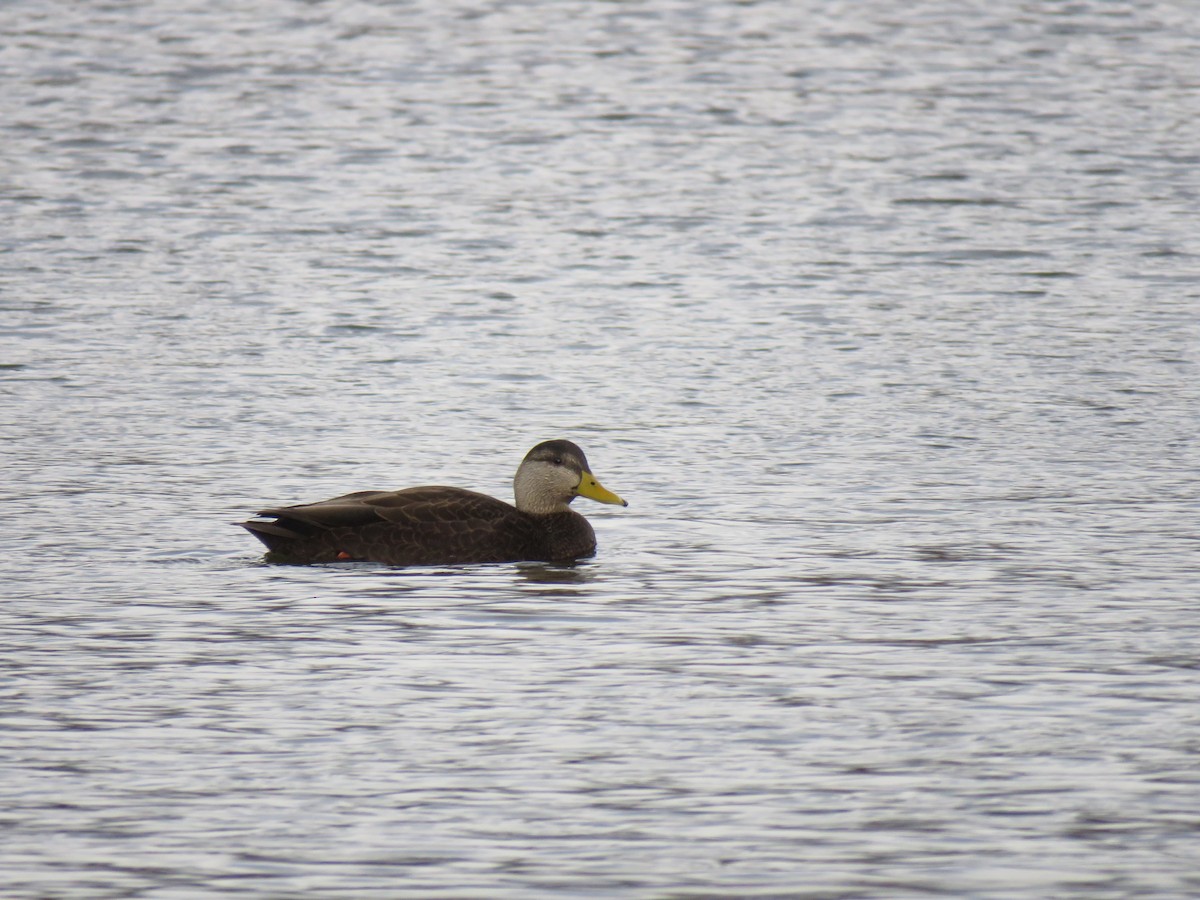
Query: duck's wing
x,y
424,525
419,505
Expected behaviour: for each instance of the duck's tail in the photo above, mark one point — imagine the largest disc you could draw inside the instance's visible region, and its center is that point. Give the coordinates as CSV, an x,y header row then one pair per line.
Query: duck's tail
x,y
277,537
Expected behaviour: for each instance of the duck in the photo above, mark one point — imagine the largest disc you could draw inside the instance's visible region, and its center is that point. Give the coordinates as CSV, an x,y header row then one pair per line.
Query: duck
x,y
437,525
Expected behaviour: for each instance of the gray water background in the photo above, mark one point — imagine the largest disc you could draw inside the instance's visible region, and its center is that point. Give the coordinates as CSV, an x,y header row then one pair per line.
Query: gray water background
x,y
883,317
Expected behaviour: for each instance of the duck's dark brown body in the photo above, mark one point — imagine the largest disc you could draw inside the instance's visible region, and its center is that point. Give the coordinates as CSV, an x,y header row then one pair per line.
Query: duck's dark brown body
x,y
420,526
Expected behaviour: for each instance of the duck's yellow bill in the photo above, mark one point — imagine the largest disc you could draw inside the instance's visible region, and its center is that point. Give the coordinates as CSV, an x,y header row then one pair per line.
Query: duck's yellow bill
x,y
592,489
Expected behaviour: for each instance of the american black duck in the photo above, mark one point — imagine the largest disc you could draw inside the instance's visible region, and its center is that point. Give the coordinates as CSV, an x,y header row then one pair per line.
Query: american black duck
x,y
429,526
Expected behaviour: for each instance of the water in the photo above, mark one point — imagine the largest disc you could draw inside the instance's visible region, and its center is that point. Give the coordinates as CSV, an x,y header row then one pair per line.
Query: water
x,y
883,319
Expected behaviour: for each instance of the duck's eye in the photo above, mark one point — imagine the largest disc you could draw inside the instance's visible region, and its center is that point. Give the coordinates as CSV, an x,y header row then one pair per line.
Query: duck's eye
x,y
557,460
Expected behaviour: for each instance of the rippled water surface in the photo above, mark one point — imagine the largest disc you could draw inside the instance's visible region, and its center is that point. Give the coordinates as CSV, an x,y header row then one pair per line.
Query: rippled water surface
x,y
884,318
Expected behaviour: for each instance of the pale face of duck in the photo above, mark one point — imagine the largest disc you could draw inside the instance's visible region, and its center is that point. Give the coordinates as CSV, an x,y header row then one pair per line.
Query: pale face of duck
x,y
552,475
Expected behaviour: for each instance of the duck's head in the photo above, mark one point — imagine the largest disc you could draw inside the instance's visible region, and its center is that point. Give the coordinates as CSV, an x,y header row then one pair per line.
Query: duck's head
x,y
552,475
